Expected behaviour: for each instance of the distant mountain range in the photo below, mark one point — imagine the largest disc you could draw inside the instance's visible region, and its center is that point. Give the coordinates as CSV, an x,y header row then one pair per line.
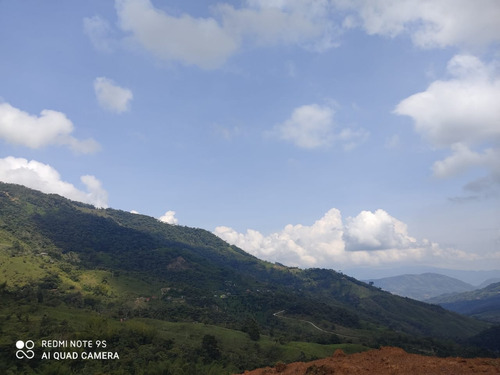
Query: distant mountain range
x,y
488,282
481,303
422,287
174,299
476,277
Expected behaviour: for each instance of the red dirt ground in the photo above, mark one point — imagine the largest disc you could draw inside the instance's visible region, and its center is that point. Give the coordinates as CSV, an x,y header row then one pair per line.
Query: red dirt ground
x,y
384,361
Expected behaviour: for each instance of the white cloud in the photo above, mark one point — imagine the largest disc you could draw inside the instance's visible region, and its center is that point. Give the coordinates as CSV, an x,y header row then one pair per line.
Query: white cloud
x,y
376,231
45,178
313,126
296,245
192,41
50,128
309,126
430,23
300,22
460,113
462,158
169,218
99,31
209,42
462,109
111,96
369,239
351,138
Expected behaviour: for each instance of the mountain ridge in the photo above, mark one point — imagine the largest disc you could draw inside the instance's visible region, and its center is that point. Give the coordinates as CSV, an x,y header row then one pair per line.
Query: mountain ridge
x,y
481,303
473,277
422,286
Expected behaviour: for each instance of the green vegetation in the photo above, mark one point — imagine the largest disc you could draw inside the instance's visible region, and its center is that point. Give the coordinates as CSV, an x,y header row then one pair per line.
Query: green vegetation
x,y
481,303
177,300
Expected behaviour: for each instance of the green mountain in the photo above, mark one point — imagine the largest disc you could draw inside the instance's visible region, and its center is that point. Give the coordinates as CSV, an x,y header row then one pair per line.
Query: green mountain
x,y
177,300
488,282
422,287
481,303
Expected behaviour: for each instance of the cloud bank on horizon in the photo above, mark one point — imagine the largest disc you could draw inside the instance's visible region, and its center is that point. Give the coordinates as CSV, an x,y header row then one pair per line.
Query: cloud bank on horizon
x,y
368,239
286,113
43,177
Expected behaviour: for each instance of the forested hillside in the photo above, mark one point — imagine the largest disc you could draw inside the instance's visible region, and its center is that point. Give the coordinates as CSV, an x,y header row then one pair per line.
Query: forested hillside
x,y
481,303
178,300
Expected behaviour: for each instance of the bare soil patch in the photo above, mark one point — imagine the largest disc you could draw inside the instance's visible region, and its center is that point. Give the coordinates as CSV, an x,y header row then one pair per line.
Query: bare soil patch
x,y
384,361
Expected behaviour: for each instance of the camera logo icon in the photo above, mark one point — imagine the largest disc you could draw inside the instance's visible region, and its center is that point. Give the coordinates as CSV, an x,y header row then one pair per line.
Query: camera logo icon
x,y
28,353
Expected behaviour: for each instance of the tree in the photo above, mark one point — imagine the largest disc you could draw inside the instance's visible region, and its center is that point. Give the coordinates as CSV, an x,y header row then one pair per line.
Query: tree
x,y
252,328
210,349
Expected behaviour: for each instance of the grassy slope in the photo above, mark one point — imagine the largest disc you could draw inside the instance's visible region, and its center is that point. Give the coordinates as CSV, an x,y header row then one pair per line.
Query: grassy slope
x,y
159,340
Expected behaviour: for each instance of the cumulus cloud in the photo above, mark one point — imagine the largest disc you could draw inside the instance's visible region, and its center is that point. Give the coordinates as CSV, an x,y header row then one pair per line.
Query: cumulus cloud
x,y
297,245
369,239
461,113
462,109
208,42
50,128
376,231
45,178
169,218
313,126
111,96
430,23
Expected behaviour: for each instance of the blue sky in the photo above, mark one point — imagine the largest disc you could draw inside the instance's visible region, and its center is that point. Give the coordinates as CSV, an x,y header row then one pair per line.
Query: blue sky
x,y
316,133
